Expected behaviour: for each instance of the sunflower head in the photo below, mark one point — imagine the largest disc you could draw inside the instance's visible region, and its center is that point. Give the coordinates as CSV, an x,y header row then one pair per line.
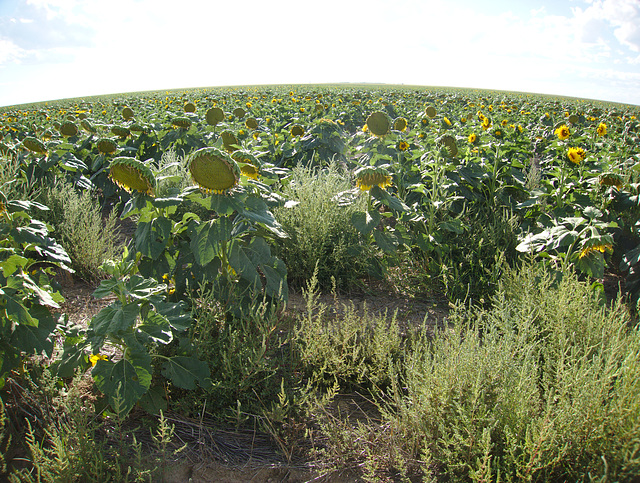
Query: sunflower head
x,y
449,142
132,175
214,170
251,123
430,111
34,145
68,129
369,176
562,132
576,155
106,146
297,130
214,116
121,131
229,141
472,138
127,113
239,112
181,122
602,129
610,179
400,124
249,164
378,123
189,107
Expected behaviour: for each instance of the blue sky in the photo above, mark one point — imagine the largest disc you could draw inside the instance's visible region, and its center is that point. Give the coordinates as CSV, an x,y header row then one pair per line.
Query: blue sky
x,y
52,49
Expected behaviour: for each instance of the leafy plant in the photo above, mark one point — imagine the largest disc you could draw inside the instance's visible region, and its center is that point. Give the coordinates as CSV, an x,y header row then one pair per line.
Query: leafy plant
x,y
27,259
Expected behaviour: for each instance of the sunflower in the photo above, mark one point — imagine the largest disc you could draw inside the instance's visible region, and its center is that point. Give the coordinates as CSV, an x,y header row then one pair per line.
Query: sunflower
x,y
472,138
602,129
599,247
403,145
611,179
132,175
214,170
367,177
249,164
576,155
562,132
378,123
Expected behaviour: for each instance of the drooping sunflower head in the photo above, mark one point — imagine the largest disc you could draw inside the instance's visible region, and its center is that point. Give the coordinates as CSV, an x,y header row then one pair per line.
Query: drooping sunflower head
x,y
121,131
611,179
562,132
251,123
369,176
87,126
229,141
68,129
249,164
378,123
214,116
106,146
239,112
132,175
449,142
181,122
34,145
127,113
214,170
400,124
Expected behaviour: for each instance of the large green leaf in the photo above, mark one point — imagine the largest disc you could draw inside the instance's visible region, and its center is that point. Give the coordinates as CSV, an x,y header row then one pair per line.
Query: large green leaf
x,y
18,312
365,221
385,241
243,265
35,339
153,237
155,328
115,318
121,380
276,277
385,198
175,313
11,264
185,372
205,245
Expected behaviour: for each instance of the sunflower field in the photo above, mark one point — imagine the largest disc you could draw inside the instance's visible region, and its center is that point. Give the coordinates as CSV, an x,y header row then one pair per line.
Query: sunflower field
x,y
447,191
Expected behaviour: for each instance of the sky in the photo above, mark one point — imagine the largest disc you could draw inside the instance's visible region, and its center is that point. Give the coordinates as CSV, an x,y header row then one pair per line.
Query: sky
x,y
55,49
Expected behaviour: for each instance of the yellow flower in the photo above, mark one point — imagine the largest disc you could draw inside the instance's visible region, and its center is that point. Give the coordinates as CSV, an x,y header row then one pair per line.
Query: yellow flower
x,y
486,123
602,129
472,138
368,177
576,155
403,146
562,132
447,122
601,247
94,358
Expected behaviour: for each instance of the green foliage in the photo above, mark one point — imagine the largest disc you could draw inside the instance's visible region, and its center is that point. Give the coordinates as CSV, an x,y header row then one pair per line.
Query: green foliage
x,y
248,353
79,226
320,229
27,258
138,322
346,350
542,386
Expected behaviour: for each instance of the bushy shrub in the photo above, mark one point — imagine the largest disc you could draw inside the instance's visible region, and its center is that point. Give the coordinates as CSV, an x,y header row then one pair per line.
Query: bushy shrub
x,y
79,226
320,230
